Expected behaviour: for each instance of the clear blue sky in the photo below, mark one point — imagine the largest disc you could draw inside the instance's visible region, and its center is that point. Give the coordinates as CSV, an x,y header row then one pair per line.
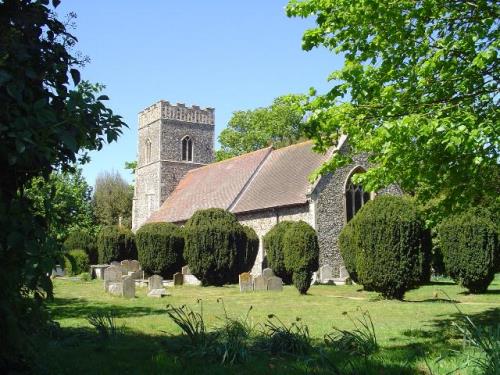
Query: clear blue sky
x,y
226,54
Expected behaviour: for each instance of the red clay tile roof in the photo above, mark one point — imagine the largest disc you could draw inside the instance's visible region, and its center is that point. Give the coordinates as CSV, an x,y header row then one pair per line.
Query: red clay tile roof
x,y
283,179
261,179
215,185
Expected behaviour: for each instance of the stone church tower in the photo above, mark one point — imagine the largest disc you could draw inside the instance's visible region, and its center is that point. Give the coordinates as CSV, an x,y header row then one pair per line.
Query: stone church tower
x,y
172,140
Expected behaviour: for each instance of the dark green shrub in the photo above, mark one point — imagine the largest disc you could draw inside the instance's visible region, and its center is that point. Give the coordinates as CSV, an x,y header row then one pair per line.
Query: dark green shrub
x,y
273,244
214,241
81,239
159,248
115,244
394,246
470,247
348,247
301,253
246,259
76,262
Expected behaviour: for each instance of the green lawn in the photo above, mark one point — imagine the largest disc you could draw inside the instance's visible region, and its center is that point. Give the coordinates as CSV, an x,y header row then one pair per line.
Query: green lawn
x,y
413,334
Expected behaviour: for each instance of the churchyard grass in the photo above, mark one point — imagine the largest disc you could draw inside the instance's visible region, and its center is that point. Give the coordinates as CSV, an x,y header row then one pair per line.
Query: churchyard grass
x,y
416,335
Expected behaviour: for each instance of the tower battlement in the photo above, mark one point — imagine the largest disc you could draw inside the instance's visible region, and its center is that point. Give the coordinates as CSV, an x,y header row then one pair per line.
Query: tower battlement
x,y
166,111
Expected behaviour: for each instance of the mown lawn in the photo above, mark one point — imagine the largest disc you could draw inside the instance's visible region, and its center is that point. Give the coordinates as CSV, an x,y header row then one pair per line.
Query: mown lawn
x,y
416,335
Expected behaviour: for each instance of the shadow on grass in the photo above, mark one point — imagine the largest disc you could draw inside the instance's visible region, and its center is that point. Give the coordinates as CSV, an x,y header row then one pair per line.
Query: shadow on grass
x,y
63,308
437,300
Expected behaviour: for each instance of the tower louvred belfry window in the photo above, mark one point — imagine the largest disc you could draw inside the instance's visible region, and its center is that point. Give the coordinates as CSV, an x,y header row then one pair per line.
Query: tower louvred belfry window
x,y
187,149
355,197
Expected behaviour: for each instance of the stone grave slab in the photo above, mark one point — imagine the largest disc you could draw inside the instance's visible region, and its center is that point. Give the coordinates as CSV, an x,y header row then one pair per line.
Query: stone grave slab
x,y
157,293
259,283
185,270
178,279
325,273
267,273
112,274
135,265
155,282
128,287
275,284
246,282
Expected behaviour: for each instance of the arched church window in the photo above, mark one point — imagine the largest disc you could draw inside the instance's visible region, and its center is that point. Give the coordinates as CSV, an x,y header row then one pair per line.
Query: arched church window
x,y
187,149
147,151
355,196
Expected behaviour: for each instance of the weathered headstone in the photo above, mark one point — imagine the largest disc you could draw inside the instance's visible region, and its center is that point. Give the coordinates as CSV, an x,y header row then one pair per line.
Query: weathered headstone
x,y
157,293
115,288
155,282
136,275
259,283
178,279
128,286
246,282
134,265
190,280
185,270
267,273
115,263
275,284
112,274
125,264
325,273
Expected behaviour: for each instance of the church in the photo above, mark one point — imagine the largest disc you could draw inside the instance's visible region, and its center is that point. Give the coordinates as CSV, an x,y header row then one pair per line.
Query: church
x,y
176,175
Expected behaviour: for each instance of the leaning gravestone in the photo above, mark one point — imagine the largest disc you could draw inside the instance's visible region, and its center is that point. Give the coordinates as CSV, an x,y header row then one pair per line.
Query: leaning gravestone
x,y
260,283
178,279
275,283
246,282
155,282
267,273
325,273
112,275
128,287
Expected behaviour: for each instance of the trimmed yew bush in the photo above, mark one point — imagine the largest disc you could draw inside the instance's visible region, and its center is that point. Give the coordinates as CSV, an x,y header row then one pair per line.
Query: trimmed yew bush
x,y
273,244
76,262
115,244
247,258
348,248
159,248
81,239
301,253
470,246
214,244
392,246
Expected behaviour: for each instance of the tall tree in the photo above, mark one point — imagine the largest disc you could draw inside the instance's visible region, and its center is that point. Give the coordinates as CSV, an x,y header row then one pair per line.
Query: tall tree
x,y
280,124
112,200
418,91
64,199
46,123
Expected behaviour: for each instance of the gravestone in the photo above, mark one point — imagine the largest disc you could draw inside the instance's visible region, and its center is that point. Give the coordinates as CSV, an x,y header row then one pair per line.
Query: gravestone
x,y
125,264
185,270
267,273
155,282
326,273
136,275
128,287
135,266
275,284
97,270
115,288
260,283
157,293
246,282
115,263
178,279
112,274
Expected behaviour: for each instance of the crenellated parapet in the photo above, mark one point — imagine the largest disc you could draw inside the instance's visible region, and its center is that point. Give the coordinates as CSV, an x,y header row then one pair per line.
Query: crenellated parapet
x,y
166,111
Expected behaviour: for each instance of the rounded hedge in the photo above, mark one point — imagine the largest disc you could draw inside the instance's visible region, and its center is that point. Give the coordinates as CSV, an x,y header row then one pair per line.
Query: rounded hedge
x,y
273,244
470,246
159,248
348,248
115,244
81,239
76,262
214,244
301,253
247,258
392,246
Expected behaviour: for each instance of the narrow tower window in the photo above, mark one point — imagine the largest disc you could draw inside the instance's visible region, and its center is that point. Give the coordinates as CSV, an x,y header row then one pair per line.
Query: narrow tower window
x,y
147,155
187,149
355,196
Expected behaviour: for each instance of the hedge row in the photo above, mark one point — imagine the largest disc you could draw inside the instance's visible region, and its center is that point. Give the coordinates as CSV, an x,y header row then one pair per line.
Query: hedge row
x,y
76,262
115,244
83,240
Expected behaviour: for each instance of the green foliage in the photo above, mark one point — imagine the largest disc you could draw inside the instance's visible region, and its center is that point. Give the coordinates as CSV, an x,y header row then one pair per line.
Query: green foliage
x,y
362,341
301,253
348,248
273,244
112,199
280,124
217,247
46,124
82,239
160,247
76,262
64,200
105,323
286,339
418,92
470,246
192,325
115,244
393,246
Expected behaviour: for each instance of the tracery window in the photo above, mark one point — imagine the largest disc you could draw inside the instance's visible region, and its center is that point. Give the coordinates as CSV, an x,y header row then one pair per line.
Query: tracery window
x,y
187,149
355,196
